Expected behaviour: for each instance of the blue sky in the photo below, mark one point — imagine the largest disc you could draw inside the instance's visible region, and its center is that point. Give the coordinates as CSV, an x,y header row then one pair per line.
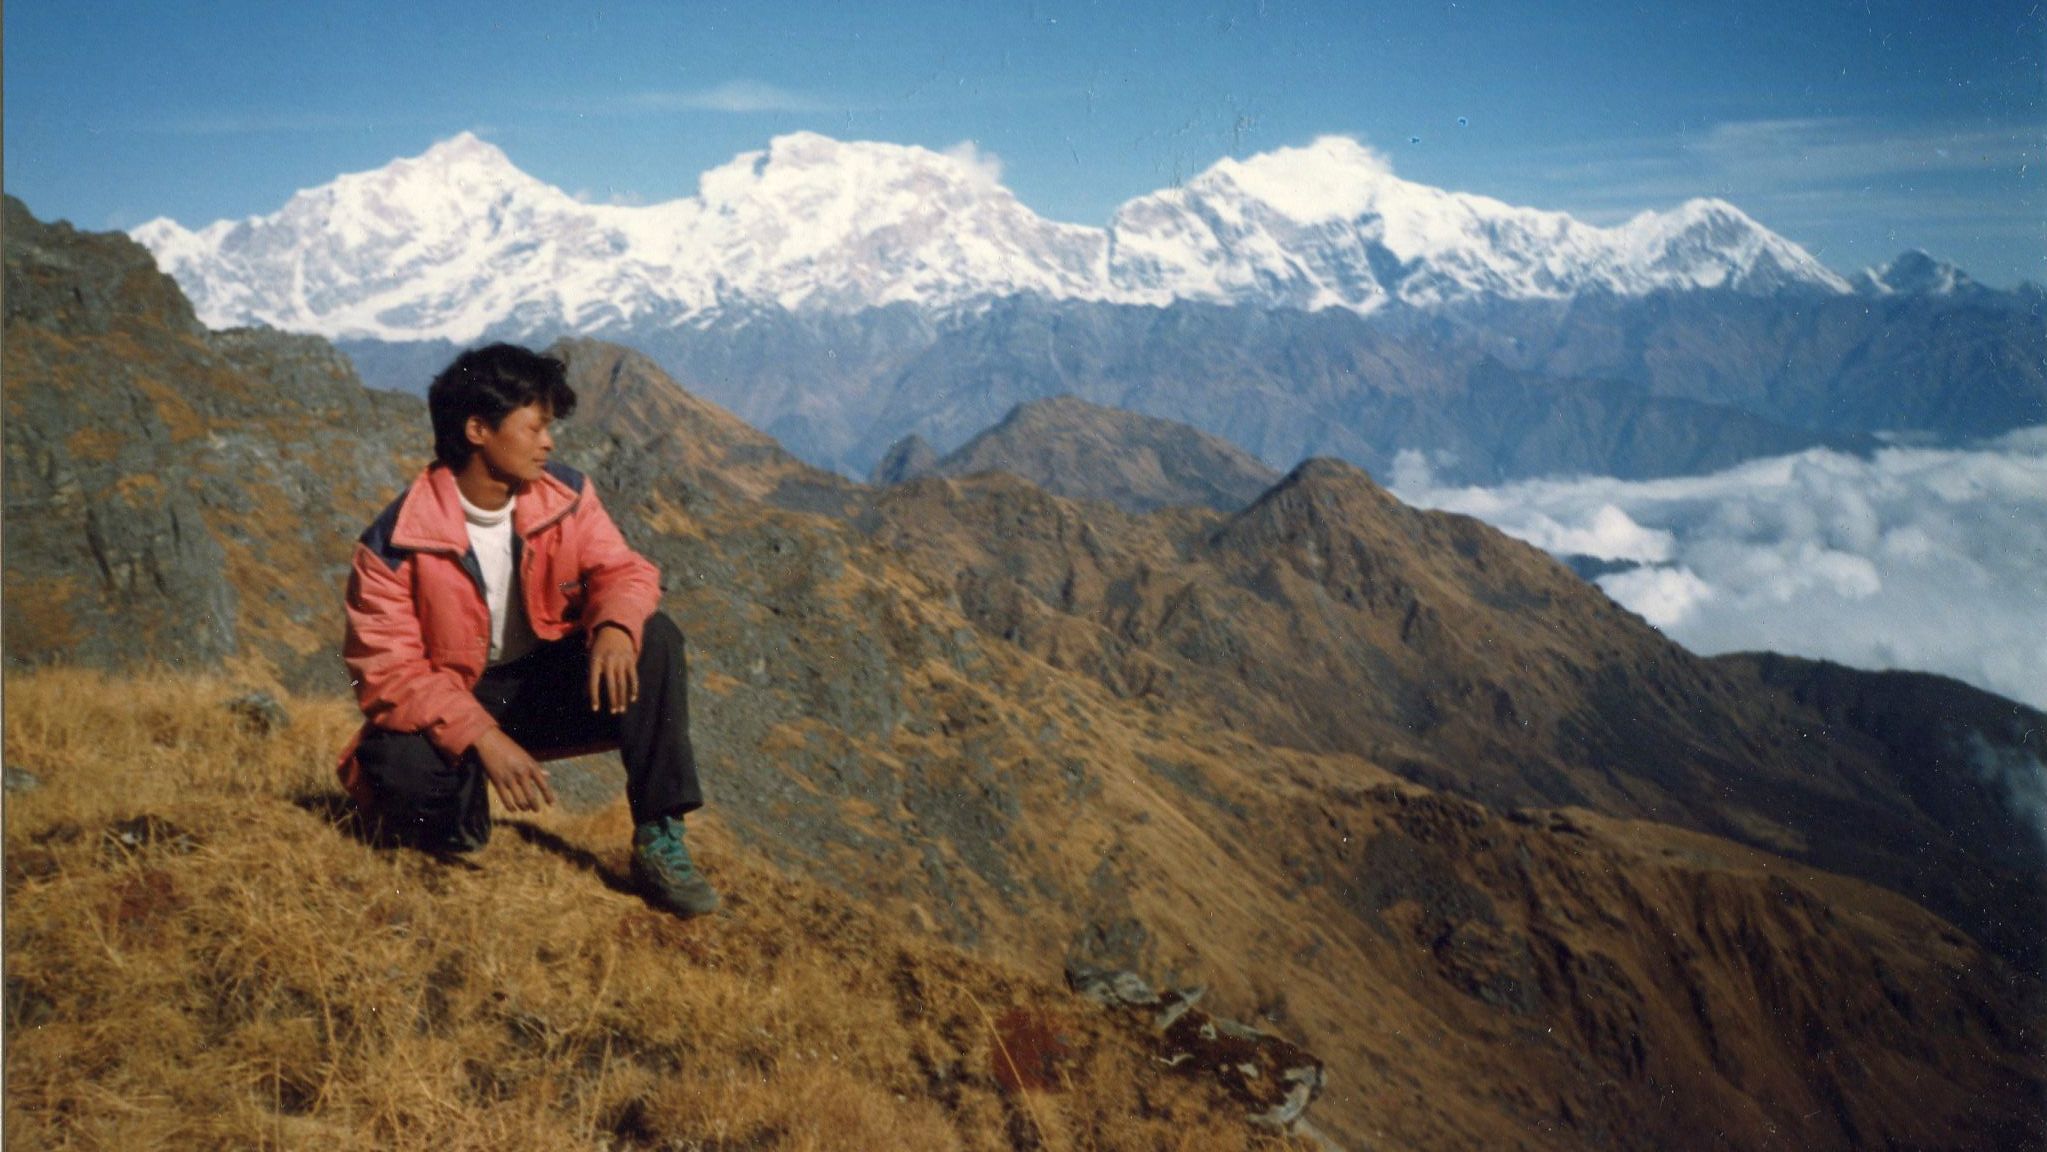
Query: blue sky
x,y
1857,129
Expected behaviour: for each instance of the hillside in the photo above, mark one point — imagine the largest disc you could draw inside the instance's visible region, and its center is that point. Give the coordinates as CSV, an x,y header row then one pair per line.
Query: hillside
x,y
177,888
1390,785
1329,617
1532,982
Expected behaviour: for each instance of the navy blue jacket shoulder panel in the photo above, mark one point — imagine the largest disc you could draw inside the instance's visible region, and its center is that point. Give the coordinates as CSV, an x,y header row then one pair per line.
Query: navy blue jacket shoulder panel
x,y
377,537
567,475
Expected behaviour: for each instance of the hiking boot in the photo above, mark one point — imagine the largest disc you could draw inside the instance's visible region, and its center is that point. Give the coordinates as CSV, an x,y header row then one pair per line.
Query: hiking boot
x,y
666,875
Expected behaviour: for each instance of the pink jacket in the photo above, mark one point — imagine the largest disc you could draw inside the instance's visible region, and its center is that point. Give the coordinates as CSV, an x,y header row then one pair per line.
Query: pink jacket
x,y
418,628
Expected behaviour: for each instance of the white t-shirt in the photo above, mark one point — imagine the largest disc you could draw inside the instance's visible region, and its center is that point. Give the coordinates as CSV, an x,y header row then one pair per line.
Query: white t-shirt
x,y
490,537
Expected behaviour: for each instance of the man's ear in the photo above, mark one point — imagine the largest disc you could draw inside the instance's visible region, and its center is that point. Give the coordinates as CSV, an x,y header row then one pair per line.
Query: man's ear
x,y
474,428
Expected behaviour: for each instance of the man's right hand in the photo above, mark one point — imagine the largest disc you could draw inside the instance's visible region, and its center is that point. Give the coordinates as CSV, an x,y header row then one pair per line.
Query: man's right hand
x,y
521,782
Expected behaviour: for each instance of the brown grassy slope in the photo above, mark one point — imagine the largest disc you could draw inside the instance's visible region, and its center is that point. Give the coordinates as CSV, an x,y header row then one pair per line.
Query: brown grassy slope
x,y
250,973
240,973
859,730
1330,617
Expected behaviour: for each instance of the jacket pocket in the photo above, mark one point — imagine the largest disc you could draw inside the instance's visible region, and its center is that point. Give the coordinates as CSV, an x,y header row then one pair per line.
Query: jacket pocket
x,y
570,597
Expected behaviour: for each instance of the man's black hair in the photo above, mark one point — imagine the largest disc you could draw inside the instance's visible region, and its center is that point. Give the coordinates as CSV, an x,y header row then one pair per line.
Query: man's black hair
x,y
492,382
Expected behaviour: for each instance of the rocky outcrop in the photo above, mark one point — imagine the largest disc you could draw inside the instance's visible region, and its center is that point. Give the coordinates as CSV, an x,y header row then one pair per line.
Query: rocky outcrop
x,y
176,495
1273,1078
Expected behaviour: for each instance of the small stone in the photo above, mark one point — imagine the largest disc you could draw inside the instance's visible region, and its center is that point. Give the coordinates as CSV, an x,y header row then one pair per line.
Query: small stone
x,y
146,832
260,713
21,780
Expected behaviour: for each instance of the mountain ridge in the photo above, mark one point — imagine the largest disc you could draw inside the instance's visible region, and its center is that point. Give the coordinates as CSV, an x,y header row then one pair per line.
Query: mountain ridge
x,y
812,223
1070,447
842,295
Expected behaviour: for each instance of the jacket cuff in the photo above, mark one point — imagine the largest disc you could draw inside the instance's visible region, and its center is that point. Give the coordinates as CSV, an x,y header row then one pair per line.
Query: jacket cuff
x,y
459,735
631,630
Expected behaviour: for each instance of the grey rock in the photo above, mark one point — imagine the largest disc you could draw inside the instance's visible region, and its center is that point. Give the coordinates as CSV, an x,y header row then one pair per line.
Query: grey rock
x,y
1274,1078
1112,989
260,712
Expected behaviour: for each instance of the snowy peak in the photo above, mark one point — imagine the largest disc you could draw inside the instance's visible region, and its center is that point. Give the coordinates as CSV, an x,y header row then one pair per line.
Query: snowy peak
x,y
1915,273
807,163
419,245
1334,178
1709,243
463,150
821,223
1330,225
457,241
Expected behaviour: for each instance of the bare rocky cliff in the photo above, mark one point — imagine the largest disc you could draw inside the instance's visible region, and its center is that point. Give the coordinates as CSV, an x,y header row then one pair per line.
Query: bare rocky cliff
x,y
176,495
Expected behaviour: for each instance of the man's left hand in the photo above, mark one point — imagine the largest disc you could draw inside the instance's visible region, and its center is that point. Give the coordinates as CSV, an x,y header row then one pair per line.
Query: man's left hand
x,y
614,671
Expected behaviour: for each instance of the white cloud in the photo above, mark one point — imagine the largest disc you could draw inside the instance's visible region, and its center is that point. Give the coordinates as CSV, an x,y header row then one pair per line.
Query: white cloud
x,y
1808,163
1665,597
1835,151
985,165
2019,774
1922,558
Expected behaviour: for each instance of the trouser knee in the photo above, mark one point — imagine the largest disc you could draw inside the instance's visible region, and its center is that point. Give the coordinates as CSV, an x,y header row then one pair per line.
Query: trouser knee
x,y
420,798
660,638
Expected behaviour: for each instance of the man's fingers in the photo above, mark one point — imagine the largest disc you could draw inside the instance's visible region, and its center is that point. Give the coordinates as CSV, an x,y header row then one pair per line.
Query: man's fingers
x,y
521,783
596,684
509,792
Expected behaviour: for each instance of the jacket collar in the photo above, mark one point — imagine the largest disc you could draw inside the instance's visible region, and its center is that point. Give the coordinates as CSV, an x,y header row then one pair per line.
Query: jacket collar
x,y
430,519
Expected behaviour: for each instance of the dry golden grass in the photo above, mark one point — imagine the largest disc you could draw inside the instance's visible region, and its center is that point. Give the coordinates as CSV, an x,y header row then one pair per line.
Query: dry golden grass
x,y
239,971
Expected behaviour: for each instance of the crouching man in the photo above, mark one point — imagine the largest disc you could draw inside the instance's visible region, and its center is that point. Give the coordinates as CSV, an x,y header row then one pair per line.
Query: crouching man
x,y
496,617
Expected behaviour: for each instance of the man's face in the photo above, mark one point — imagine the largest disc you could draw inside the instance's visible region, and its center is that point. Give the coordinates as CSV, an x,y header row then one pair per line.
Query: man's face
x,y
518,448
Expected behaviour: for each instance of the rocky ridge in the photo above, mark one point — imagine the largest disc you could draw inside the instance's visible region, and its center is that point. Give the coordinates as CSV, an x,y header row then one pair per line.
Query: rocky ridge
x,y
1072,448
160,475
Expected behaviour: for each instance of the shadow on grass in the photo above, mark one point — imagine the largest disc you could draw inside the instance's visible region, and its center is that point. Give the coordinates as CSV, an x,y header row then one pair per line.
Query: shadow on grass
x,y
582,858
340,813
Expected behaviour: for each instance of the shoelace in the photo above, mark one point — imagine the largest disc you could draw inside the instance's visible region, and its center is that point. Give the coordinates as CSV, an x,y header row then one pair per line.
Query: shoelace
x,y
667,849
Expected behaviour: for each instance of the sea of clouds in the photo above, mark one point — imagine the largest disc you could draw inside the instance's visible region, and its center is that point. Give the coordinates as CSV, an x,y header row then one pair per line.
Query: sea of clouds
x,y
1931,559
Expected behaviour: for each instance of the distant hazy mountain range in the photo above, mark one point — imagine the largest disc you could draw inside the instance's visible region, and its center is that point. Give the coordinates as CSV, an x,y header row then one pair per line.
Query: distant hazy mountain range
x,y
842,295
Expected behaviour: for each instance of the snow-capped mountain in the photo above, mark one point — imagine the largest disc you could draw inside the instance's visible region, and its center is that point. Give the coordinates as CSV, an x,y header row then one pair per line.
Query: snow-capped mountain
x,y
1330,225
1915,273
458,241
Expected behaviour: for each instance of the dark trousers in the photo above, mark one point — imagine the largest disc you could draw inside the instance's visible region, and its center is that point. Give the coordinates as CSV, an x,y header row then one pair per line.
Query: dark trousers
x,y
542,700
